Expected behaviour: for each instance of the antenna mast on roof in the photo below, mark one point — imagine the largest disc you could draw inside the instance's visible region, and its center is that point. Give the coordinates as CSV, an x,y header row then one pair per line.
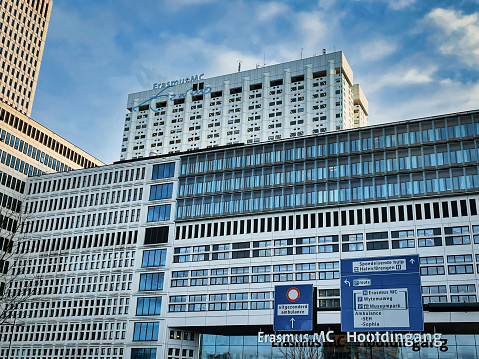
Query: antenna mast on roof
x,y
239,66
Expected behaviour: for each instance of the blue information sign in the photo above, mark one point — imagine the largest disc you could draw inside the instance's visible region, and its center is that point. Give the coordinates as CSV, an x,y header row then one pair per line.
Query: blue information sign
x,y
293,308
381,294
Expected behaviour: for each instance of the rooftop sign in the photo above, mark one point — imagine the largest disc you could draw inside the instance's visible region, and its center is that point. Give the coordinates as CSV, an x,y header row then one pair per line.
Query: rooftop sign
x,y
193,78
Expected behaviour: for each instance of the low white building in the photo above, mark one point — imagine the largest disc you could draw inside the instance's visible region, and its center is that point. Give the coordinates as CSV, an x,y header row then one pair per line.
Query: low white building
x,y
177,256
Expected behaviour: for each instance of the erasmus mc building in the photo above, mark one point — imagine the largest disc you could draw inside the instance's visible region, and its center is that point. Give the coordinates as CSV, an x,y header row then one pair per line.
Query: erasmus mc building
x,y
177,255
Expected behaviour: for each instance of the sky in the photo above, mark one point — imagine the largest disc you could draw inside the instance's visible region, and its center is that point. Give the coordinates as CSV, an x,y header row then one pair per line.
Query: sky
x,y
413,58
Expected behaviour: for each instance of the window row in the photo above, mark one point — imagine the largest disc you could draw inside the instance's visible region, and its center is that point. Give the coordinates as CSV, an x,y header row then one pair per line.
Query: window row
x,y
18,165
33,152
335,218
12,182
321,170
96,179
67,353
90,284
260,278
360,140
76,242
81,221
69,332
362,190
81,201
74,308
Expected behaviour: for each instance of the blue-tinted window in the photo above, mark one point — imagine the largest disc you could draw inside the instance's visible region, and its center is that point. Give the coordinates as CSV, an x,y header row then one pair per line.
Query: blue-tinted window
x,y
151,281
154,258
159,213
148,306
143,353
146,331
161,191
163,170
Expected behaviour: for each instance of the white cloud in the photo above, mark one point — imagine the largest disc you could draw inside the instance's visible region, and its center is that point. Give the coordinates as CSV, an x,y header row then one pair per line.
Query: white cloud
x,y
458,34
268,11
377,49
396,4
445,96
312,28
400,4
400,76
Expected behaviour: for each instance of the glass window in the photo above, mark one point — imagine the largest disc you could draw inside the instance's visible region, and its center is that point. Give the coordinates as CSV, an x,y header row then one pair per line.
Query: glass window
x,y
161,191
143,353
148,306
151,281
146,331
163,170
159,213
458,240
154,258
431,260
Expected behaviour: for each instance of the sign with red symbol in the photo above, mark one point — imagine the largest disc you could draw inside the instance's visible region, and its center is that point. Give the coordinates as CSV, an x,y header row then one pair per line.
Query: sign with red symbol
x,y
293,308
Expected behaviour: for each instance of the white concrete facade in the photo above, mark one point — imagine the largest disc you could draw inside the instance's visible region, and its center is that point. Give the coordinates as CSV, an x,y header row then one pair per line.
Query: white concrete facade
x,y
124,273
292,99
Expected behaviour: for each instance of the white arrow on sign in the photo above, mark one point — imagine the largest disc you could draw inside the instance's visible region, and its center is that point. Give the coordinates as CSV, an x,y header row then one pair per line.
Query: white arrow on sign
x,y
347,282
411,261
292,323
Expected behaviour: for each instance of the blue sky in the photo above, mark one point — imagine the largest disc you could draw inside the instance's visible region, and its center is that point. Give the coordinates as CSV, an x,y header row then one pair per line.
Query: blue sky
x,y
413,58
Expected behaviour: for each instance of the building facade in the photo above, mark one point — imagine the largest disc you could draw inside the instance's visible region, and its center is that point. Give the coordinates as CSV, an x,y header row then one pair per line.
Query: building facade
x,y
26,147
292,99
24,30
177,256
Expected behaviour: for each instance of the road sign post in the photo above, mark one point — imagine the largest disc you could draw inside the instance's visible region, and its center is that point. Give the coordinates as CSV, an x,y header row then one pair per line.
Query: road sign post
x,y
293,308
381,294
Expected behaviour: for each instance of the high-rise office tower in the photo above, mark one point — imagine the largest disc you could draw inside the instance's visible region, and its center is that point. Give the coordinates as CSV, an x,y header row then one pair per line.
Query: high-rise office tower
x,y
287,100
26,147
23,32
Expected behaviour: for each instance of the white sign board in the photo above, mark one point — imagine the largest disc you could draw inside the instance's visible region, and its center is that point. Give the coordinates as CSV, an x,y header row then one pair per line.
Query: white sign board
x,y
374,308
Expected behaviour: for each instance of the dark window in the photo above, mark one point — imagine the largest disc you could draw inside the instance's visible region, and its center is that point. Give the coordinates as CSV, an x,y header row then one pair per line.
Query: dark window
x,y
276,82
463,207
418,211
297,78
445,210
427,211
372,246
384,214
240,245
472,204
376,235
156,235
240,254
454,209
410,216
392,214
435,208
367,213
360,216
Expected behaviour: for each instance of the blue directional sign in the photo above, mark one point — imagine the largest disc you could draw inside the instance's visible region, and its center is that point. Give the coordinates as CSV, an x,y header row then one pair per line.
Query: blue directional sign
x,y
293,308
381,294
